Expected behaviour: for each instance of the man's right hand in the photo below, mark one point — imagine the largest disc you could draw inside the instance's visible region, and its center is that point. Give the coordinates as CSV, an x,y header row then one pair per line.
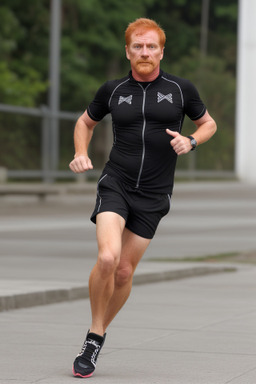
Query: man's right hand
x,y
81,163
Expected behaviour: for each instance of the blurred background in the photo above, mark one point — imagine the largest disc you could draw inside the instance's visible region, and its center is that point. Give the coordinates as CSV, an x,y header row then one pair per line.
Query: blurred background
x,y
55,54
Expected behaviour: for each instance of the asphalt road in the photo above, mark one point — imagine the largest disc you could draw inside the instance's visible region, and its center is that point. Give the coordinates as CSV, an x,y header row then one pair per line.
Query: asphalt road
x,y
205,219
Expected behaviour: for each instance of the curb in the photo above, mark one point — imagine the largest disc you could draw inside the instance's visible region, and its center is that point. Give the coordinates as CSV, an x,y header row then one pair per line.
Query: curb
x,y
31,299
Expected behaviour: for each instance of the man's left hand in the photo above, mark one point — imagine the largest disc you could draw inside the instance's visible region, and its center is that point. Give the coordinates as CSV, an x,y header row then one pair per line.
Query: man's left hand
x,y
179,143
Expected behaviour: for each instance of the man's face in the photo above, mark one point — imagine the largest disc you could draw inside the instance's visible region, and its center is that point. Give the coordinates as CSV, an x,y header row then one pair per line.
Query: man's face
x,y
145,54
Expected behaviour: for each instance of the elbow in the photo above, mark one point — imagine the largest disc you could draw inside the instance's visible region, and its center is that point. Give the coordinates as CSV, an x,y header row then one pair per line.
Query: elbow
x,y
214,128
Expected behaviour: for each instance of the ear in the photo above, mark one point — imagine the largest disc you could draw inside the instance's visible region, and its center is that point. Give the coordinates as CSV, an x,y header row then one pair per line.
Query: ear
x,y
162,53
127,52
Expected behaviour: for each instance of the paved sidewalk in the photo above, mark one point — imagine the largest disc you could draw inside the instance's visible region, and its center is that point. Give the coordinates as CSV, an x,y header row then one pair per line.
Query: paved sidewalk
x,y
185,323
21,292
47,249
199,330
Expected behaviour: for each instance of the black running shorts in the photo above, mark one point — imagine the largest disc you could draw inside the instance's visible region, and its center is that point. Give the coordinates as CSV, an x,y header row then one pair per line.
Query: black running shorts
x,y
142,211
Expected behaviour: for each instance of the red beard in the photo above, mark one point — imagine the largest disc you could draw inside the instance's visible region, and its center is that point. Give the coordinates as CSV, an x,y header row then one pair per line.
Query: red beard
x,y
144,67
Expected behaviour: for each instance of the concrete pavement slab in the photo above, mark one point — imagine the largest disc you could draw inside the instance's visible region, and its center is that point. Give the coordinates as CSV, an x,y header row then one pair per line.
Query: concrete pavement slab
x,y
191,331
47,249
40,287
198,330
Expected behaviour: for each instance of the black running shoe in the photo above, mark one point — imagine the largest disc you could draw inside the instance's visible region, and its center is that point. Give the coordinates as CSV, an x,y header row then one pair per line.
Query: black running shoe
x,y
85,362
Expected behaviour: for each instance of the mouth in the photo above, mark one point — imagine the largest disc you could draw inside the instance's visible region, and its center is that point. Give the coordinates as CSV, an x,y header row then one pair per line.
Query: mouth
x,y
144,62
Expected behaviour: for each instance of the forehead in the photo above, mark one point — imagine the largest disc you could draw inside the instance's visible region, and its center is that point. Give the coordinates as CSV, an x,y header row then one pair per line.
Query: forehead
x,y
145,36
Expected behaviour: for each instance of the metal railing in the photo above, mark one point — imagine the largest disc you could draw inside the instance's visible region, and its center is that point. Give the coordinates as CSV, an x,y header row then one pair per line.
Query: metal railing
x,y
49,155
49,144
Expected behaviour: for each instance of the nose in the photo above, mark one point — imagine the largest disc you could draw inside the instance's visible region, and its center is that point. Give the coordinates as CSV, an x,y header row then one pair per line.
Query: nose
x,y
144,51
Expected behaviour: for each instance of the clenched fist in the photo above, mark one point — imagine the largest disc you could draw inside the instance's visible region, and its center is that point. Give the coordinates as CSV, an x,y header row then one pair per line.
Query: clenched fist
x,y
81,163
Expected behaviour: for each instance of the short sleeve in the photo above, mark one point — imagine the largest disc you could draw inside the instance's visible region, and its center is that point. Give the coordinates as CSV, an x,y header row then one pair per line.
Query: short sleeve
x,y
194,108
99,108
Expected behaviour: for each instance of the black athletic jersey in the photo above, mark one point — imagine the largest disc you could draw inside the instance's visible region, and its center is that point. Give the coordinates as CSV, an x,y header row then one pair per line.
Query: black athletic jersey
x,y
142,156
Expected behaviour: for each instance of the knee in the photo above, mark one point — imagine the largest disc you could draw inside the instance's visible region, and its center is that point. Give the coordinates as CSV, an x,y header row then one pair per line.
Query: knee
x,y
124,274
107,263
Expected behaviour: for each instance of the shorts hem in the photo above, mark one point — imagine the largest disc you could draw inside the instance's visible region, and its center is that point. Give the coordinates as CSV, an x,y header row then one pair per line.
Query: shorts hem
x,y
94,215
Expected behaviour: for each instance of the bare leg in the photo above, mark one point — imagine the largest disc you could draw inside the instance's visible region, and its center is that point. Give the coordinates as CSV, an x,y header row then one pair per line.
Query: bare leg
x,y
101,283
133,248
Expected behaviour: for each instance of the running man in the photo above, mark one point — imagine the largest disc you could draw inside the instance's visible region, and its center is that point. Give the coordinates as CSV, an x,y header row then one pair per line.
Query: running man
x,y
148,107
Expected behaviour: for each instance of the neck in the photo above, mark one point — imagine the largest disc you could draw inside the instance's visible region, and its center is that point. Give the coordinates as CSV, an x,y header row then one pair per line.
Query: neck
x,y
147,77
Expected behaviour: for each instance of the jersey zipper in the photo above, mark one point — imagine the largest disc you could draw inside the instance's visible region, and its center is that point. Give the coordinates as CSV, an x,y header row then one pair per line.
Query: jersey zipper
x,y
143,133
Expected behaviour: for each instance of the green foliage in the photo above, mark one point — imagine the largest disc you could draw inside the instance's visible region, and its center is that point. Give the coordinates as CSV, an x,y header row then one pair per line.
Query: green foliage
x,y
213,75
20,88
216,85
20,143
22,80
92,51
93,45
227,11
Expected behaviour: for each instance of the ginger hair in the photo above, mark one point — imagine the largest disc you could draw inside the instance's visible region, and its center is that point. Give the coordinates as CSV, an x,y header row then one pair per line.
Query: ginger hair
x,y
142,25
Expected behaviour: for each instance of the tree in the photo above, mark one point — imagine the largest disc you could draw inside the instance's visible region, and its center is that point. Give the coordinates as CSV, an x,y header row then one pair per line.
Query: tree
x,y
93,45
22,73
216,85
92,51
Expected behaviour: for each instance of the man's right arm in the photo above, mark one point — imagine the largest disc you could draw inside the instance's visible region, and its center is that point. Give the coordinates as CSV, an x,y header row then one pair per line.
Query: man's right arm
x,y
82,136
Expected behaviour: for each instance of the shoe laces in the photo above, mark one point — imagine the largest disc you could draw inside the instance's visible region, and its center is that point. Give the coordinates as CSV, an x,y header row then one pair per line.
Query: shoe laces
x,y
89,351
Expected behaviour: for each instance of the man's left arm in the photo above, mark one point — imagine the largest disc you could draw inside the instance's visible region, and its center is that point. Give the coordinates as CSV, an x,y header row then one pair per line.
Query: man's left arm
x,y
206,127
